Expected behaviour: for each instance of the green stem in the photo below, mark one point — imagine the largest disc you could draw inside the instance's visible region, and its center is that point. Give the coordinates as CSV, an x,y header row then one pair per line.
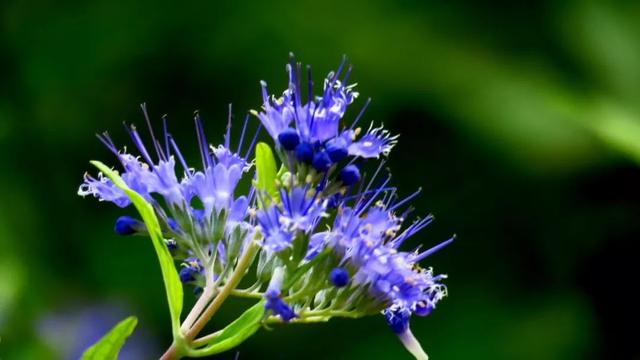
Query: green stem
x,y
243,264
205,339
229,286
246,294
197,309
307,317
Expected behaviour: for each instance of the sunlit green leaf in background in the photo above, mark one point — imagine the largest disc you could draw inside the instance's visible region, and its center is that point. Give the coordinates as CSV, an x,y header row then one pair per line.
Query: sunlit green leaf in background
x,y
108,347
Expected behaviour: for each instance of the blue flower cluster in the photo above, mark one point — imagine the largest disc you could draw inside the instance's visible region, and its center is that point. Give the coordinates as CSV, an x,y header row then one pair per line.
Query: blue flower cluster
x,y
312,129
205,237
330,236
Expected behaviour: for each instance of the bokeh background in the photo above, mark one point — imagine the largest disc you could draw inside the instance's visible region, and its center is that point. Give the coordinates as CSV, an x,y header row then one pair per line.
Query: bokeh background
x,y
520,120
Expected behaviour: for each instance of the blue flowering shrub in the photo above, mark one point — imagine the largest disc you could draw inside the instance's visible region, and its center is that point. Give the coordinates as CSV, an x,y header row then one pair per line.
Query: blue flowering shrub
x,y
312,238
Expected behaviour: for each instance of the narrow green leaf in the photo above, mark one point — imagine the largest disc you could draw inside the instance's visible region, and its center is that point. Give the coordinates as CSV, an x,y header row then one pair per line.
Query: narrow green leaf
x,y
108,347
172,282
266,171
235,333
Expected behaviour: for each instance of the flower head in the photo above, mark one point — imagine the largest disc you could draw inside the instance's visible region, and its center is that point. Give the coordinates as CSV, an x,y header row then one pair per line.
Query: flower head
x,y
328,239
311,127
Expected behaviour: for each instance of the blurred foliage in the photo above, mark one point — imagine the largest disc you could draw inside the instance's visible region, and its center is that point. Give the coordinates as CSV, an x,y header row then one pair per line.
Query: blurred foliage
x,y
521,120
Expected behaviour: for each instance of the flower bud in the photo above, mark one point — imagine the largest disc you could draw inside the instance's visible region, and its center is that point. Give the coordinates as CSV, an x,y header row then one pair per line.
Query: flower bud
x,y
126,225
339,277
289,139
350,175
321,162
336,149
304,152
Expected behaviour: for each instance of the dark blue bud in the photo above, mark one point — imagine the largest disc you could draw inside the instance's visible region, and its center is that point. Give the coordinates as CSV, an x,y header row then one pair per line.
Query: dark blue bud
x,y
126,225
304,152
422,308
397,318
186,274
350,175
171,244
321,162
289,139
339,277
337,149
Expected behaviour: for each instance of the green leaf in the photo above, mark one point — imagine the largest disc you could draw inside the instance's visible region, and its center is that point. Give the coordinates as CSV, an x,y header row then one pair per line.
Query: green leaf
x,y
108,347
618,127
235,333
172,282
266,172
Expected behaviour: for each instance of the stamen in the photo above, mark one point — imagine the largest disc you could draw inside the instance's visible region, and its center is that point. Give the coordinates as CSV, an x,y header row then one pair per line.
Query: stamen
x,y
155,142
403,201
135,137
227,136
106,140
244,128
202,141
355,121
434,249
253,142
179,155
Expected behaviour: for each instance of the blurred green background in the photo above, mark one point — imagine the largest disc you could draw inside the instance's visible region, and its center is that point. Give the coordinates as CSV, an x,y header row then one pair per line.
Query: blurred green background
x,y
520,120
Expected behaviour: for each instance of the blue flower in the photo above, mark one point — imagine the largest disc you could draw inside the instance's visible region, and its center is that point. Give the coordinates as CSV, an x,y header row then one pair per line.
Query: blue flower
x,y
191,270
274,302
374,143
276,236
397,318
301,210
103,189
214,187
277,113
317,136
367,238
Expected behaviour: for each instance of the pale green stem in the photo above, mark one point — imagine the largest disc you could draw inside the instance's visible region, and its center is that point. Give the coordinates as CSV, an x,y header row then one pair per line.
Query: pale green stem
x,y
241,267
229,286
413,346
246,294
205,339
197,309
306,317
